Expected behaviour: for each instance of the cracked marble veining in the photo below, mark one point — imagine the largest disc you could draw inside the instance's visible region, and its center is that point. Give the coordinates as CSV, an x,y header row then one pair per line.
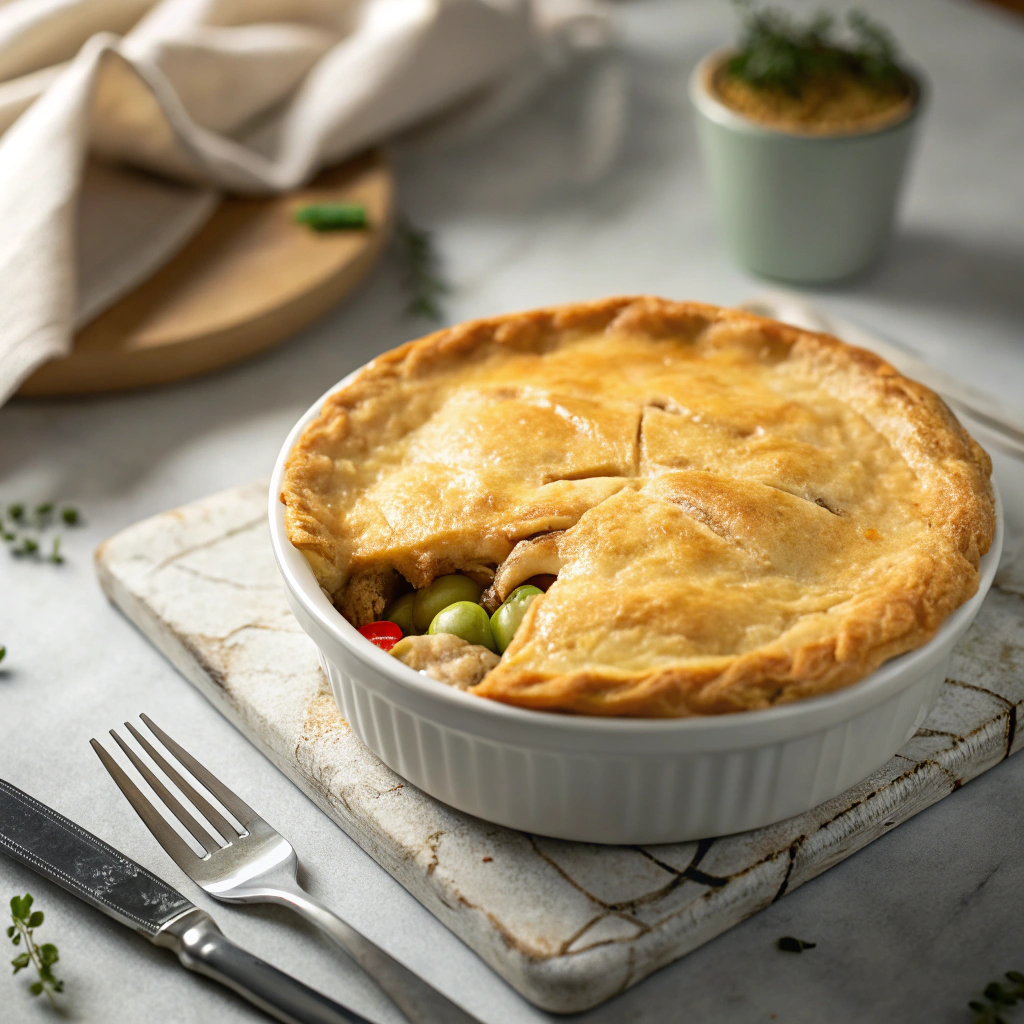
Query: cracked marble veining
x,y
568,924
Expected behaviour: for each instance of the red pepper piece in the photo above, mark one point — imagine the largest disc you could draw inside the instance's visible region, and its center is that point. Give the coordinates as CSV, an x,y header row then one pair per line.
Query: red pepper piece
x,y
384,634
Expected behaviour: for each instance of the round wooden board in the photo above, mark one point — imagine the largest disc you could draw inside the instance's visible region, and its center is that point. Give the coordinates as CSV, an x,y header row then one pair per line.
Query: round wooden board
x,y
249,279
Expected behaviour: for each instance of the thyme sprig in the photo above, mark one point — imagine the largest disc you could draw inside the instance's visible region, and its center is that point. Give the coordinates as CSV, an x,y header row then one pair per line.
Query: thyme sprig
x,y
778,51
422,272
999,997
43,957
23,530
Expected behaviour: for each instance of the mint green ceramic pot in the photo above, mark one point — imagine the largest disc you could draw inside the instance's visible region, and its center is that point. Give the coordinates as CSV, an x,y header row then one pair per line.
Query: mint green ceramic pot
x,y
801,208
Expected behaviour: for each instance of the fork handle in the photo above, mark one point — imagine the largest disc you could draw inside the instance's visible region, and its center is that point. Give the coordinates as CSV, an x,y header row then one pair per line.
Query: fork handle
x,y
202,947
421,1003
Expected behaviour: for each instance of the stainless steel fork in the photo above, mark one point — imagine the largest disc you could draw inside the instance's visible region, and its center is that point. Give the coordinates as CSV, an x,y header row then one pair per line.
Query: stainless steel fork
x,y
256,864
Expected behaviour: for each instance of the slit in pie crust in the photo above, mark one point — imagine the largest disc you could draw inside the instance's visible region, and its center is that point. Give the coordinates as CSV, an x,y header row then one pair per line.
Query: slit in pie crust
x,y
739,513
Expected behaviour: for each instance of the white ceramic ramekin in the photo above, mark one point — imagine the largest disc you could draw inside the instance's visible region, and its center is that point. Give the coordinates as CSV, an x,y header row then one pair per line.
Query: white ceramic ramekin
x,y
603,780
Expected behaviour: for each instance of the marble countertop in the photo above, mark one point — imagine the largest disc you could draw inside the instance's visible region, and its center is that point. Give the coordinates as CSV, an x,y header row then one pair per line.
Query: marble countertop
x,y
542,210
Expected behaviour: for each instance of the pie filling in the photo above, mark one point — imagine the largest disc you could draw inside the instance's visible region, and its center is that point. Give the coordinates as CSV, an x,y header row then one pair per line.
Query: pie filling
x,y
723,512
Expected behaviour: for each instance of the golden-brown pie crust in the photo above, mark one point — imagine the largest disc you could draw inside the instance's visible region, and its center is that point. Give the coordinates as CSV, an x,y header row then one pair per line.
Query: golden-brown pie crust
x,y
741,513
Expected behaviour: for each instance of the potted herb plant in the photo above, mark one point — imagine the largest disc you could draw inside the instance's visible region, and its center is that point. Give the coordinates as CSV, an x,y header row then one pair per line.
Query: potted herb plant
x,y
806,131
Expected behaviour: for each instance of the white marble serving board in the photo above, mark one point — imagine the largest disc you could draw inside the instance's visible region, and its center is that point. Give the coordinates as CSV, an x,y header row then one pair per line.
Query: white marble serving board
x,y
568,924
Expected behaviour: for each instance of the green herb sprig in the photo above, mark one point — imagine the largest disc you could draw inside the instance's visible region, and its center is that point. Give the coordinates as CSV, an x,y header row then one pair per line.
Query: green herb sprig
x,y
999,997
333,216
422,272
43,957
790,945
778,51
23,532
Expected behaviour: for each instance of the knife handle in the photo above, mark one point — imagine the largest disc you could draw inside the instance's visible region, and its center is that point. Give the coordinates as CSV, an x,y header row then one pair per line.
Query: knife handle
x,y
202,947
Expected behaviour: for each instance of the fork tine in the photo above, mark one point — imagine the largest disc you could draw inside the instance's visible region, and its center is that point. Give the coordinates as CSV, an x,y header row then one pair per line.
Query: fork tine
x,y
212,815
239,808
162,832
205,840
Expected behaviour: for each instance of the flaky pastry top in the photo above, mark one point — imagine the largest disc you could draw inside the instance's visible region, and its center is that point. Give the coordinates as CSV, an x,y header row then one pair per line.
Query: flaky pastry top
x,y
739,513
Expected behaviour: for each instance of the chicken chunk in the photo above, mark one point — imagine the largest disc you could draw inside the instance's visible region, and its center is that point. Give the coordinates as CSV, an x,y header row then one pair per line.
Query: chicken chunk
x,y
448,659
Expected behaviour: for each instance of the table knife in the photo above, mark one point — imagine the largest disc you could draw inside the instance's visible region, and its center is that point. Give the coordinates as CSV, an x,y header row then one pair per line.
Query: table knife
x,y
87,867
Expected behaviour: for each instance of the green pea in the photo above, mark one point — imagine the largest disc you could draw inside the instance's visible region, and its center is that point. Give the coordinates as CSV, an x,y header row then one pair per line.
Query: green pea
x,y
400,613
467,620
445,590
505,621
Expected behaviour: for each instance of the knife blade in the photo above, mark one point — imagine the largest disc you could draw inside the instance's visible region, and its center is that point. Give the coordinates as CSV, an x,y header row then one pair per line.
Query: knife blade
x,y
87,867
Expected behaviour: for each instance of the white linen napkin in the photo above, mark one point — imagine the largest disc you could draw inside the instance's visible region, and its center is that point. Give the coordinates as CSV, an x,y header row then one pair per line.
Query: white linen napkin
x,y
125,119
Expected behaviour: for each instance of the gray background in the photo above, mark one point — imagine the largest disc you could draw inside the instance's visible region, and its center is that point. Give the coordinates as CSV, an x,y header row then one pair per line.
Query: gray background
x,y
910,928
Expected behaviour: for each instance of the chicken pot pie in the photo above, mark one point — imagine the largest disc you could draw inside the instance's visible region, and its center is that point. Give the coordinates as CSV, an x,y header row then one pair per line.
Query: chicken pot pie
x,y
737,513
